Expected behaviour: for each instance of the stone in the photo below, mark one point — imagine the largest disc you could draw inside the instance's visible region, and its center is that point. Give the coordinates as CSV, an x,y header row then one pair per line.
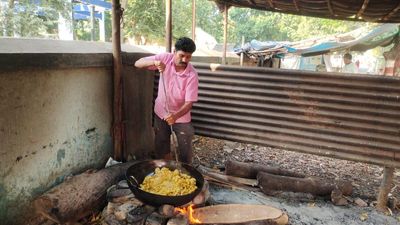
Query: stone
x,y
230,144
120,215
118,193
360,202
123,184
155,219
393,203
110,208
126,198
121,212
178,220
337,198
112,221
228,149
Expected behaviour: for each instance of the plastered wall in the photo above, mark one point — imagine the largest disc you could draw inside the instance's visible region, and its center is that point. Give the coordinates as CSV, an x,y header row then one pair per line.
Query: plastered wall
x,y
53,123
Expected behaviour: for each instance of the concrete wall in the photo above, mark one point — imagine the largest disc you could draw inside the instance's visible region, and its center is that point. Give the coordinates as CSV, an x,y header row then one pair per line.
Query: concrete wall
x,y
55,120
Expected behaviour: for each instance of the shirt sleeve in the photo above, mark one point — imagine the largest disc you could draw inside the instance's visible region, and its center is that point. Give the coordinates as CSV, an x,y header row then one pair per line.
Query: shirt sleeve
x,y
192,89
159,57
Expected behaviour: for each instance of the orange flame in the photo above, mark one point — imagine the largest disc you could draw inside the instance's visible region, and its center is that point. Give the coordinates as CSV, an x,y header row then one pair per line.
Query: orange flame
x,y
189,212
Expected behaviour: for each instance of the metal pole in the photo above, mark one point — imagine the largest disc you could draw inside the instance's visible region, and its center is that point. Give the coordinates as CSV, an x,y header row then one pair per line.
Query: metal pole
x,y
225,33
168,25
92,22
117,63
102,27
193,20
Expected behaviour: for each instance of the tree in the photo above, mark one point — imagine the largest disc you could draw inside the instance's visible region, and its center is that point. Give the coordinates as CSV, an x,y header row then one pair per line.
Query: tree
x,y
25,18
210,19
145,20
263,26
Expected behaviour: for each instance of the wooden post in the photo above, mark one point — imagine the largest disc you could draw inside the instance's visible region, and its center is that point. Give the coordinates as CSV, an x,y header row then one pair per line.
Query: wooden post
x,y
117,64
225,33
194,20
168,25
384,189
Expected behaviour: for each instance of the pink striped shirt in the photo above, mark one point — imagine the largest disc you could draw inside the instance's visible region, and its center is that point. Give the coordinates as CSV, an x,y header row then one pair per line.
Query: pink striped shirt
x,y
180,87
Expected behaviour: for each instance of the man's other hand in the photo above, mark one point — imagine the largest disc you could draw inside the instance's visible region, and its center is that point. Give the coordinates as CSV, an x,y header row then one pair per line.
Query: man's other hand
x,y
160,66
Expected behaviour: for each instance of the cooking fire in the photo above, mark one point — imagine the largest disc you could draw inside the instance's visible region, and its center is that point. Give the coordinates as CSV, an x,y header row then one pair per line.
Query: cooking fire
x,y
188,212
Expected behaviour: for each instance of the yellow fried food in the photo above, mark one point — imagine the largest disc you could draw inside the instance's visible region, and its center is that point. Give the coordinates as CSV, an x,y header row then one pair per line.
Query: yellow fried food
x,y
168,183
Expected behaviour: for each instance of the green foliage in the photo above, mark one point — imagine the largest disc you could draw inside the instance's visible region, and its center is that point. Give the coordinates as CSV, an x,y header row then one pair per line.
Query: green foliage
x,y
83,30
209,18
32,20
263,26
254,24
145,19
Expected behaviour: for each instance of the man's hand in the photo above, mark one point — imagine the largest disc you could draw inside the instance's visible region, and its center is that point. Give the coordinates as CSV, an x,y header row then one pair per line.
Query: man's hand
x,y
160,66
170,119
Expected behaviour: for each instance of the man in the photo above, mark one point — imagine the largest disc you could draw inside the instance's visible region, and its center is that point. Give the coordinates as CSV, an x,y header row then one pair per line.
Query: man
x,y
172,107
349,66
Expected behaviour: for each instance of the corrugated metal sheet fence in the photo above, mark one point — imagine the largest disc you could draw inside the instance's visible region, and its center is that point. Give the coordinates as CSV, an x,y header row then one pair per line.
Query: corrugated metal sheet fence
x,y
355,117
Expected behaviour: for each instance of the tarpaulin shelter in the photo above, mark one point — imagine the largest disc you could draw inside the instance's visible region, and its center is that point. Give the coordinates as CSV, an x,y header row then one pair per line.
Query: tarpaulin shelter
x,y
358,40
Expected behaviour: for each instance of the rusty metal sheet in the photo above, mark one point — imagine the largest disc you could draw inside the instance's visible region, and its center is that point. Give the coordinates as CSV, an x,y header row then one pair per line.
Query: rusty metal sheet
x,y
353,117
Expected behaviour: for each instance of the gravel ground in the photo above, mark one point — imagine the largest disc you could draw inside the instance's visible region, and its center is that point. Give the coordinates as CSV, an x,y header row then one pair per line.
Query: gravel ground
x,y
365,178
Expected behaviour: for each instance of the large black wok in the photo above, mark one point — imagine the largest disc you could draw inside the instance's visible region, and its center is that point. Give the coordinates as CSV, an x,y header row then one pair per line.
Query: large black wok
x,y
138,171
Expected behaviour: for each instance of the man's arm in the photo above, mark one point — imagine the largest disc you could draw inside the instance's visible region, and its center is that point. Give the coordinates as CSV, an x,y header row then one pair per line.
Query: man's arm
x,y
145,63
172,117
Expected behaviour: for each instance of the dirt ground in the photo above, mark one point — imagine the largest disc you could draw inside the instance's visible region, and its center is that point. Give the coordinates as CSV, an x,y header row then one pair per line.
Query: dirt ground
x,y
365,178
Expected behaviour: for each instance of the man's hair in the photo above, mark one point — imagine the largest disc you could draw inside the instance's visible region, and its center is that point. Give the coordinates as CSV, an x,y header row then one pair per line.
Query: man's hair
x,y
347,56
185,44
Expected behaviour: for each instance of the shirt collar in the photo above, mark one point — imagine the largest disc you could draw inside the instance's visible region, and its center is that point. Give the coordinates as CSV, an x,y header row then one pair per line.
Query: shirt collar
x,y
185,73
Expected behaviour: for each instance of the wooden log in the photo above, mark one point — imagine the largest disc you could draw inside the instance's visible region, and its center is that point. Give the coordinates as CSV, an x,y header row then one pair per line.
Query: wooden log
x,y
240,214
237,182
270,182
80,195
232,179
250,170
384,189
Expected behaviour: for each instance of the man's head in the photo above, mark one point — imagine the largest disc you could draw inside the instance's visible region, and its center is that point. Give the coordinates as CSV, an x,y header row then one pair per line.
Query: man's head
x,y
347,58
184,48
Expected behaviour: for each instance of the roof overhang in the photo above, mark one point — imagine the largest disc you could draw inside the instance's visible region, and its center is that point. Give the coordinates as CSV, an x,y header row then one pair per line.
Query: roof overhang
x,y
378,11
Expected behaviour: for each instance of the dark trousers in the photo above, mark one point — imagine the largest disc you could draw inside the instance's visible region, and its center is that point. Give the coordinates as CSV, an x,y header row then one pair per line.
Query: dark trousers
x,y
184,133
